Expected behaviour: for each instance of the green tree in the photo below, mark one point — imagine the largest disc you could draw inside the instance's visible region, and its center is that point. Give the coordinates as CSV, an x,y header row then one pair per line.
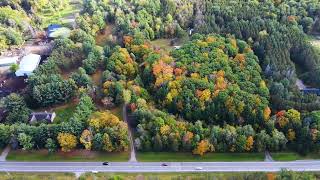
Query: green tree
x,y
81,78
51,145
17,109
97,142
25,141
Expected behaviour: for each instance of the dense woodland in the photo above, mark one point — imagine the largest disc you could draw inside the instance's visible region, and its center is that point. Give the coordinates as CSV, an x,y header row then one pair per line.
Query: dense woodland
x,y
230,87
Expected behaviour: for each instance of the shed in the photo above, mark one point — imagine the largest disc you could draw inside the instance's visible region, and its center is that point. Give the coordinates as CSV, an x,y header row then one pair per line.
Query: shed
x,y
8,61
52,28
55,31
28,64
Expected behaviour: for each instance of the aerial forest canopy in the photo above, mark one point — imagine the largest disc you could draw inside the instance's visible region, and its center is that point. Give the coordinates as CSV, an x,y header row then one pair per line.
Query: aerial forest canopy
x,y
210,78
276,31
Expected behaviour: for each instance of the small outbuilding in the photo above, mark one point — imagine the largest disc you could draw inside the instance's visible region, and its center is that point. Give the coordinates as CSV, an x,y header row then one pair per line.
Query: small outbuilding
x,y
8,61
28,64
45,117
56,31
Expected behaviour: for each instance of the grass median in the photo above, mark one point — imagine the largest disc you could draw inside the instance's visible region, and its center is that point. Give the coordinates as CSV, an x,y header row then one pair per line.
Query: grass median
x,y
36,176
76,155
293,156
188,157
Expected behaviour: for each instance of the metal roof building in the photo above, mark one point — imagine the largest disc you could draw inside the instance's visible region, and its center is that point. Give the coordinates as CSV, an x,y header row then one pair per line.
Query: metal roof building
x,y
56,31
28,64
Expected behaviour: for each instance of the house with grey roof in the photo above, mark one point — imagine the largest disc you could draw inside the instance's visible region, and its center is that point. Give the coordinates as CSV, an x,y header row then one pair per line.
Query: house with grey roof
x,y
45,117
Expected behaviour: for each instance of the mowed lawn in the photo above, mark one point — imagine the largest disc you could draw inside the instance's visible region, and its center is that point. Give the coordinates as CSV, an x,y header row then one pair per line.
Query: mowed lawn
x,y
36,176
188,157
76,155
163,44
64,113
293,156
60,17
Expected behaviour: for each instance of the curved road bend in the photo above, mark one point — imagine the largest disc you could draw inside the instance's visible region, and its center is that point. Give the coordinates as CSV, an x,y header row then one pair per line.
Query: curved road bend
x,y
156,166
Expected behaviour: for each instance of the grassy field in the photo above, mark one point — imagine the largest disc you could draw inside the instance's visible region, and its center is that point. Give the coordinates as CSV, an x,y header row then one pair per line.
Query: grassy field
x,y
36,176
176,157
163,44
292,156
77,155
64,112
62,16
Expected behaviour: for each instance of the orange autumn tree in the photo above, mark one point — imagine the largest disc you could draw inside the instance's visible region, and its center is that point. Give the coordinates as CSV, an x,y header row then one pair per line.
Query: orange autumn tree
x,y
220,84
266,113
163,72
202,147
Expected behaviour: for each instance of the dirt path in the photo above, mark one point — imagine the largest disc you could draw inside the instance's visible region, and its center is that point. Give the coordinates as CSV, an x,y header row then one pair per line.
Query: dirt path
x,y
268,157
5,153
132,149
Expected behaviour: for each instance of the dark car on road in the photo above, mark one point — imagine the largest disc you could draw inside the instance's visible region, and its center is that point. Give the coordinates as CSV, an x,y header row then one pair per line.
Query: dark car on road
x,y
105,163
164,164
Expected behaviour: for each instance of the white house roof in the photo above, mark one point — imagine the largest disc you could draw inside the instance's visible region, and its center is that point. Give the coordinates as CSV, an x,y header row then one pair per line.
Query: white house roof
x,y
28,64
5,61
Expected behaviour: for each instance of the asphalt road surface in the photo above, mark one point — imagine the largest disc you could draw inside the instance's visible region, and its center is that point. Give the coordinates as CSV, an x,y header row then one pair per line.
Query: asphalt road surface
x,y
156,166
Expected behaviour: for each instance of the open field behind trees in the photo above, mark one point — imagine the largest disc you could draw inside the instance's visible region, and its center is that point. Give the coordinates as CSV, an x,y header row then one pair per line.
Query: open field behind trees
x,y
76,155
187,157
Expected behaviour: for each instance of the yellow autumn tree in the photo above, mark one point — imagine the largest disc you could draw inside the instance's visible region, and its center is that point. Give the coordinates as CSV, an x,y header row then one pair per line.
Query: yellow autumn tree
x,y
202,147
100,120
67,141
282,121
86,139
291,135
220,83
266,113
107,144
165,130
249,144
210,39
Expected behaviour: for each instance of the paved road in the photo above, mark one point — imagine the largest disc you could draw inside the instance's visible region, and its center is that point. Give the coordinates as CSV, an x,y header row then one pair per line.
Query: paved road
x,y
156,166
